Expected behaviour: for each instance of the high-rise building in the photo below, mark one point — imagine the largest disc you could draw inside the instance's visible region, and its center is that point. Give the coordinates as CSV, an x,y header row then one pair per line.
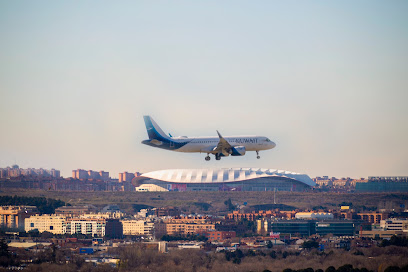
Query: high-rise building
x,y
90,174
14,216
126,177
104,175
79,174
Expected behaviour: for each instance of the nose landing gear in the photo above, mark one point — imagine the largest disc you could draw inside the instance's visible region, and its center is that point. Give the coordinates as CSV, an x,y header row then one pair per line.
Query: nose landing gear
x,y
257,155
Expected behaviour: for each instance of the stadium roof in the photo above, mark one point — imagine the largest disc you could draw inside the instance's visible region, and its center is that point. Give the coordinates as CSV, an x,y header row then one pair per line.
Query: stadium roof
x,y
224,175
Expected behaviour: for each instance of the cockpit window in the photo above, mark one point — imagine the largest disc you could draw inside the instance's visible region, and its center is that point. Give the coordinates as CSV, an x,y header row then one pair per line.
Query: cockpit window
x,y
267,140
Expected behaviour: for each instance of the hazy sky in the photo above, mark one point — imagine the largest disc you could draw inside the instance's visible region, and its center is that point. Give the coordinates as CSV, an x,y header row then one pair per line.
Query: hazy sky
x,y
326,80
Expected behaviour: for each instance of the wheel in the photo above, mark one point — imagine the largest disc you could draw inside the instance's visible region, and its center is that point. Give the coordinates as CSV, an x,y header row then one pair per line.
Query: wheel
x,y
258,157
207,158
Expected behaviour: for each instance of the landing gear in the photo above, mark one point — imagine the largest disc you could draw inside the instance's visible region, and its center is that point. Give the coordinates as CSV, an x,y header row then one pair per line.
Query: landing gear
x,y
257,155
217,157
207,158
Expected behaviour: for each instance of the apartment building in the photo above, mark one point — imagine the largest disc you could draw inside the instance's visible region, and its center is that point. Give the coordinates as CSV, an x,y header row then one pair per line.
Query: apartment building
x,y
220,236
75,211
394,224
87,226
252,216
182,228
52,223
137,227
14,216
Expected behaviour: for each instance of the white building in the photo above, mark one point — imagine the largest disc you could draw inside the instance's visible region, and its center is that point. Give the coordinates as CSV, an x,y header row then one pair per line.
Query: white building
x,y
311,215
137,227
150,188
87,226
394,224
52,223
107,215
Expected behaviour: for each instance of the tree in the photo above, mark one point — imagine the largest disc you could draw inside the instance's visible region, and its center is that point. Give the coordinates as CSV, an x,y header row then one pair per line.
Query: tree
x,y
229,204
310,244
392,268
5,256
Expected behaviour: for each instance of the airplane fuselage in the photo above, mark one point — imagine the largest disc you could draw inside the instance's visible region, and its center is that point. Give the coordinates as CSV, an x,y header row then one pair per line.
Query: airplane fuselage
x,y
219,146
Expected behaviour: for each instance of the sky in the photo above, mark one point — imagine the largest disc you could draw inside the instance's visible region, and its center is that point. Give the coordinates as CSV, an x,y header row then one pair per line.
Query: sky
x,y
327,81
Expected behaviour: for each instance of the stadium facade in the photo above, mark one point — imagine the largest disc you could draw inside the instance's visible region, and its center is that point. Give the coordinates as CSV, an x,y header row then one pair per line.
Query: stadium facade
x,y
225,179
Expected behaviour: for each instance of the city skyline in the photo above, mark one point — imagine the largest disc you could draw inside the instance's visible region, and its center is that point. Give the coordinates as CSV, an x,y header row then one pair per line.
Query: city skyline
x,y
325,81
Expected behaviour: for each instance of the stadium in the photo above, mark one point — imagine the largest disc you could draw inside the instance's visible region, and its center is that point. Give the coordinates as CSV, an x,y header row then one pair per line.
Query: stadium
x,y
225,179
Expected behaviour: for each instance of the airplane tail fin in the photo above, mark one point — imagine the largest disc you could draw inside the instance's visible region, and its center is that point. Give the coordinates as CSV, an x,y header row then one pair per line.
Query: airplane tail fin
x,y
153,130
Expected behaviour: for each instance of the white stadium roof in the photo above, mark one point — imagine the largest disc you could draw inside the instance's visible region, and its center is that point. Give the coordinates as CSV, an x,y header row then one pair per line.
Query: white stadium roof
x,y
224,175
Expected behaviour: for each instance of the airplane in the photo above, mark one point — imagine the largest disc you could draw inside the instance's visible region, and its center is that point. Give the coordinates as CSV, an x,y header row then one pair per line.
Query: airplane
x,y
219,146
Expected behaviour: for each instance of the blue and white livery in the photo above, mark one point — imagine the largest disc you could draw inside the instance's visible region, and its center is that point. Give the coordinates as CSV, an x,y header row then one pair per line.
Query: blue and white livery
x,y
219,146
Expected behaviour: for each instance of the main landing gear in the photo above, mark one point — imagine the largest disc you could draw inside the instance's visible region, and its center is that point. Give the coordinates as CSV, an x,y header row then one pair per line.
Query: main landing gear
x,y
217,157
257,155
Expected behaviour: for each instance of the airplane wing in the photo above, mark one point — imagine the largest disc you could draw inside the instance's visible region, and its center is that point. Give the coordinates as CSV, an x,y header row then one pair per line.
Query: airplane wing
x,y
223,146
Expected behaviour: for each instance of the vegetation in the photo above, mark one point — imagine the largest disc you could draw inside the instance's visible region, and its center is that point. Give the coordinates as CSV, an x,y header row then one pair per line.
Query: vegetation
x,y
395,241
264,207
190,237
44,205
186,200
230,206
310,244
142,257
138,207
202,205
6,259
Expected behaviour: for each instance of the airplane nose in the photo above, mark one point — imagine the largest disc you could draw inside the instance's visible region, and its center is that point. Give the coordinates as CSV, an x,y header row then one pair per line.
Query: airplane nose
x,y
273,144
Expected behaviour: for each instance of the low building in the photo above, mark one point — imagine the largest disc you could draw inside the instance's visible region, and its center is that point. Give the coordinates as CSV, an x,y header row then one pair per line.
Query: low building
x,y
252,216
52,223
383,184
337,227
381,234
394,224
219,236
293,227
167,211
75,211
313,215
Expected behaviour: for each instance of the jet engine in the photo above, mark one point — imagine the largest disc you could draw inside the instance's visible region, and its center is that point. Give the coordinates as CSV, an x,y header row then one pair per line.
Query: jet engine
x,y
238,151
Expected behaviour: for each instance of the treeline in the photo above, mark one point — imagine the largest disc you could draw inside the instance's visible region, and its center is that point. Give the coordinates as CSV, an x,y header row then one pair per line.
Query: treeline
x,y
44,205
347,268
142,258
395,241
237,255
189,237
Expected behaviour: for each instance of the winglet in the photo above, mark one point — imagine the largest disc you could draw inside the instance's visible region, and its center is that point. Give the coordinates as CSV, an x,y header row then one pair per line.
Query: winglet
x,y
219,135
